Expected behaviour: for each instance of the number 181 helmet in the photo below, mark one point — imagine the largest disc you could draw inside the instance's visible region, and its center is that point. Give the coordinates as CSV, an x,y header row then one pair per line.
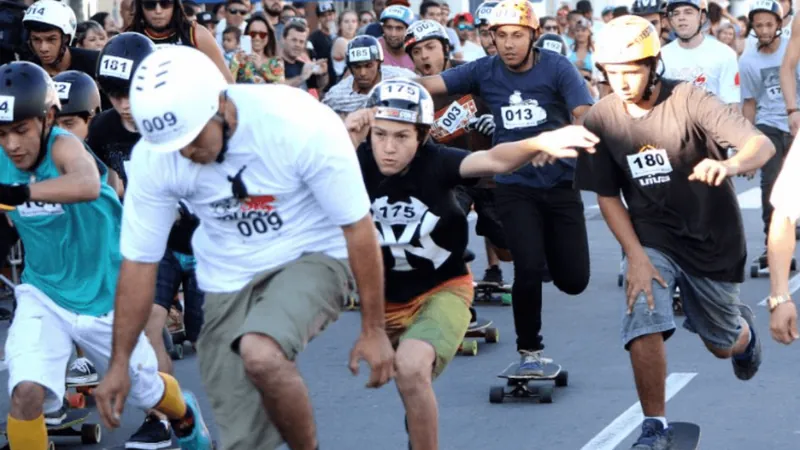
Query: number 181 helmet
x,y
118,61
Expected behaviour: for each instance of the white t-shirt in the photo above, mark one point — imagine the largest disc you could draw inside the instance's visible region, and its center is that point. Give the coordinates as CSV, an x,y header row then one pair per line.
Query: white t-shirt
x,y
784,193
711,65
304,183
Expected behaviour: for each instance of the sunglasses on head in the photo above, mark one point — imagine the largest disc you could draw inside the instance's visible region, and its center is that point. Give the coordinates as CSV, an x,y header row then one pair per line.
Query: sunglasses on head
x,y
258,34
241,12
151,4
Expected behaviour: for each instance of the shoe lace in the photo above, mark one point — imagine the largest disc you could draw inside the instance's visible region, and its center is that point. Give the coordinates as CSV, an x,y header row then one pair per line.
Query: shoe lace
x,y
80,365
649,433
535,356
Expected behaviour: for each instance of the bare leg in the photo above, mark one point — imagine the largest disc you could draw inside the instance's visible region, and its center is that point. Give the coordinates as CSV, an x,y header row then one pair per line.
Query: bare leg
x,y
413,368
27,401
649,361
154,330
491,254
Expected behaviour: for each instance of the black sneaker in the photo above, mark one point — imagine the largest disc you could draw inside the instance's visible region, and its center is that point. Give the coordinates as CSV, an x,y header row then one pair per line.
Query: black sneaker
x,y
493,275
654,436
56,417
153,434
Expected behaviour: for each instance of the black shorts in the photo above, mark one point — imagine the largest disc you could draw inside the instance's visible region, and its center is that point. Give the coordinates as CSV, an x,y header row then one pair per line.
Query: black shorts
x,y
488,224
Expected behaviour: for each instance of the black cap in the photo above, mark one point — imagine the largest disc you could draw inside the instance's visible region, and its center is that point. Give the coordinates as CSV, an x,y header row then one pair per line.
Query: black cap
x,y
206,17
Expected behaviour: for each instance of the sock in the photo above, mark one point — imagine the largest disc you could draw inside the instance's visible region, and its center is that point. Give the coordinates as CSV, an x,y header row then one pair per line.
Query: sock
x,y
27,434
663,420
171,404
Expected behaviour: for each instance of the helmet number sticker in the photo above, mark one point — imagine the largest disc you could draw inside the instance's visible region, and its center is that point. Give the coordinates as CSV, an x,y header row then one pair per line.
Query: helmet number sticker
x,y
648,3
33,11
400,91
63,89
6,108
553,46
114,66
158,123
359,54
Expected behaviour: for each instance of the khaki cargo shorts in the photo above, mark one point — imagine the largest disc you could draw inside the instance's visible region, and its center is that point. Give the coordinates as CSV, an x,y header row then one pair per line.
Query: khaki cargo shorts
x,y
291,304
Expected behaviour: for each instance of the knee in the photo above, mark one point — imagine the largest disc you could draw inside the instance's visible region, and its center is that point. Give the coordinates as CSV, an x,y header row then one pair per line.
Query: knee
x,y
413,365
262,356
27,400
573,284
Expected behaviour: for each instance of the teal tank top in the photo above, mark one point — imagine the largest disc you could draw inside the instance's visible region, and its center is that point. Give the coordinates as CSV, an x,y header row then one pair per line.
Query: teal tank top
x,y
71,251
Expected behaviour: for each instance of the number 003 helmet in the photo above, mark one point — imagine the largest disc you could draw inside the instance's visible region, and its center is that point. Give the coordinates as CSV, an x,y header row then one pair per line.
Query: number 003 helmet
x,y
627,39
402,100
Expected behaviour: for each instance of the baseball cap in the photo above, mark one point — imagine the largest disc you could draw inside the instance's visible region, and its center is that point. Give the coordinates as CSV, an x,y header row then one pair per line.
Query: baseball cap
x,y
206,17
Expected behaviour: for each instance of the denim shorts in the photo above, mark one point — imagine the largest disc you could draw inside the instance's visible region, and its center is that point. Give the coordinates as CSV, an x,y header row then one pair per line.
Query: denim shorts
x,y
712,308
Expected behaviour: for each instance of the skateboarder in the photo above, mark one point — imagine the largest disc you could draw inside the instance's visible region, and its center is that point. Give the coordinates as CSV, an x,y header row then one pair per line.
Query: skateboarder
x,y
277,229
662,144
423,231
68,218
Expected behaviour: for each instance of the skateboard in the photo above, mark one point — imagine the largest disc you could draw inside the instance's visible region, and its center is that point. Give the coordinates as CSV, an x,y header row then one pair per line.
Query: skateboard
x,y
90,433
77,400
760,267
486,293
522,387
483,329
685,436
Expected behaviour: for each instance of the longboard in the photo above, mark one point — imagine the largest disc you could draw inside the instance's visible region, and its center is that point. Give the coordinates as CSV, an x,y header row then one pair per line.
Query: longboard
x,y
488,293
482,329
521,386
90,433
685,435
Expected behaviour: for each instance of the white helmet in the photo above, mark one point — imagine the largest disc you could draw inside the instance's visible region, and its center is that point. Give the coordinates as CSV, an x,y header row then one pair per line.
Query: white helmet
x,y
52,13
174,93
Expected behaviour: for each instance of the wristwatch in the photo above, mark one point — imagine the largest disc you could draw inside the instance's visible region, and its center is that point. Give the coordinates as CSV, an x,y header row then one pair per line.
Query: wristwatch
x,y
774,301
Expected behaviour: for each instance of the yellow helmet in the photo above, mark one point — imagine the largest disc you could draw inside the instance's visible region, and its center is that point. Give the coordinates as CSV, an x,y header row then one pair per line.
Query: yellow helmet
x,y
513,12
627,39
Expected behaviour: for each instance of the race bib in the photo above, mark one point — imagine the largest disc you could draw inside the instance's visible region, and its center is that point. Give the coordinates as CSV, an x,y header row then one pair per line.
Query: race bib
x,y
774,93
649,162
6,108
396,91
63,89
522,116
38,209
451,122
114,66
359,54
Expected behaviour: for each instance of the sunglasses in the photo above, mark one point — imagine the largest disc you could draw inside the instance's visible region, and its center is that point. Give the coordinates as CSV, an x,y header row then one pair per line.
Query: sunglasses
x,y
151,4
241,12
258,34
551,28
465,27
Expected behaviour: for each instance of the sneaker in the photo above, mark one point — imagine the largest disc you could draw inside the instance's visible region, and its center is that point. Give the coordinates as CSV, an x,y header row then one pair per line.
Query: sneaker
x,y
82,371
153,434
493,275
200,438
746,365
654,436
56,417
532,363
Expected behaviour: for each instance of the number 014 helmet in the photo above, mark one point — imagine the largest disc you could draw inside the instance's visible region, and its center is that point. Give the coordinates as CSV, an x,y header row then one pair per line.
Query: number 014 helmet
x,y
402,100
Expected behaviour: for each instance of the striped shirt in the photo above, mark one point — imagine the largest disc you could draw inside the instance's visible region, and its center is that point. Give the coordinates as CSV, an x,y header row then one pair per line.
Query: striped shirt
x,y
342,99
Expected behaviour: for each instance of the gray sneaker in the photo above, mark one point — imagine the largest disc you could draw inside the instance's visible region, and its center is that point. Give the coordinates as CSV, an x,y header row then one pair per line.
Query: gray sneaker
x,y
654,436
56,417
81,371
746,368
532,363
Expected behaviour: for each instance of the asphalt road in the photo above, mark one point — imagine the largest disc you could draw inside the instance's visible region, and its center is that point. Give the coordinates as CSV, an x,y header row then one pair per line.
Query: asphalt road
x,y
599,409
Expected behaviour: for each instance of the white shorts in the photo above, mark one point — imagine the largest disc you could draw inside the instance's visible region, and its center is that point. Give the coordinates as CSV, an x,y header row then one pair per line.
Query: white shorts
x,y
41,340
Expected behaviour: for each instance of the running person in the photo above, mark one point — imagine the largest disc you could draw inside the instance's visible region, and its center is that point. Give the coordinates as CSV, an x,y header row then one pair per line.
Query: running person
x,y
275,231
662,145
532,91
763,103
66,215
411,183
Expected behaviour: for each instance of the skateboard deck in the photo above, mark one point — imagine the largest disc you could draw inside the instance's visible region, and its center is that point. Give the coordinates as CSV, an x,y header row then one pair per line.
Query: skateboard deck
x,y
522,386
685,435
482,329
492,293
90,433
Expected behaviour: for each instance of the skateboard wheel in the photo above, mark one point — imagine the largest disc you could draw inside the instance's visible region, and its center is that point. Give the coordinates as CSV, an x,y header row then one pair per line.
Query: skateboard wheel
x,y
545,394
506,299
469,348
754,271
492,335
562,379
76,400
91,434
497,394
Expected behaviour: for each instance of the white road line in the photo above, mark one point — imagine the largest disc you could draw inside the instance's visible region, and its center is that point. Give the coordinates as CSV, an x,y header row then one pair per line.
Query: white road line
x,y
622,426
794,285
750,199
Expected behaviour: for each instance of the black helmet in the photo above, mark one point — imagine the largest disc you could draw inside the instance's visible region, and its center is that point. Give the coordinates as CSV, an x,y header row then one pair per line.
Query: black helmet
x,y
646,7
402,100
77,92
119,59
362,49
553,43
26,91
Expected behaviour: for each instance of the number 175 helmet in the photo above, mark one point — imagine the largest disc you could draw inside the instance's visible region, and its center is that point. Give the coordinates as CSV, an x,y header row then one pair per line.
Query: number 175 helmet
x,y
119,59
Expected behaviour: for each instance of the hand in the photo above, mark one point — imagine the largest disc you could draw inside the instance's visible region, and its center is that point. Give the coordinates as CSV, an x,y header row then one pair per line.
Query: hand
x,y
794,122
712,172
110,395
783,323
359,122
323,66
641,274
307,71
482,124
374,348
14,195
561,143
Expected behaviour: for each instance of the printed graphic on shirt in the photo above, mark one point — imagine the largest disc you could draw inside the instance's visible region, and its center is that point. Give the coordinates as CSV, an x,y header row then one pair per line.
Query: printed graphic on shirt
x,y
254,216
770,76
522,113
38,209
650,166
405,227
451,121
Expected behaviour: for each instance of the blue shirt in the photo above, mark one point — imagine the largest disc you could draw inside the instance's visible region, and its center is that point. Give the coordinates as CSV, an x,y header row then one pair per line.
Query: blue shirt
x,y
71,250
524,105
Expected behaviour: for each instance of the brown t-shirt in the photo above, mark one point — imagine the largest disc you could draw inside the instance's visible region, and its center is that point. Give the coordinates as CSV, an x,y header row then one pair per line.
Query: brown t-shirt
x,y
649,160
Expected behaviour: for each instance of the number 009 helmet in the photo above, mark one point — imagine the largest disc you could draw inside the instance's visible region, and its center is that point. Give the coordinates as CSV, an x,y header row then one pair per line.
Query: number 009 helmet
x,y
118,61
402,100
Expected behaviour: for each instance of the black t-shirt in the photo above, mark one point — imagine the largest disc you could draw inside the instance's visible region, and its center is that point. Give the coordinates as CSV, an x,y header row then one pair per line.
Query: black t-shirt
x,y
423,231
294,69
322,44
649,159
112,142
85,61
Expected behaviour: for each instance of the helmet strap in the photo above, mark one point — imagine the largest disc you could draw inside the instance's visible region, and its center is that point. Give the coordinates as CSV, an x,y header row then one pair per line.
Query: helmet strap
x,y
44,138
653,79
774,37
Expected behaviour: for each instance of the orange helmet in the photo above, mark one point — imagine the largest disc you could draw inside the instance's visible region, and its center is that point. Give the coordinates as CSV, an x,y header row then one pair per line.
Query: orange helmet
x,y
627,39
513,12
